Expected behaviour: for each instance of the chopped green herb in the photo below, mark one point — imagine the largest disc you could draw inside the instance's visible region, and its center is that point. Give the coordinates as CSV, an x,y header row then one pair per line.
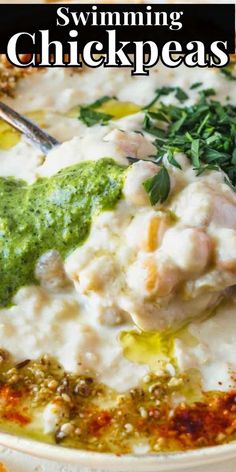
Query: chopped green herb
x,y
163,91
207,92
150,128
206,167
196,85
177,125
227,71
172,160
195,153
91,117
100,102
180,94
158,186
233,160
160,92
205,132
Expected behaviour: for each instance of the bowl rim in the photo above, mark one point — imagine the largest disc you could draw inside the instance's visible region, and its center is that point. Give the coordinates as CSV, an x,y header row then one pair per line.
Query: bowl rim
x,y
111,462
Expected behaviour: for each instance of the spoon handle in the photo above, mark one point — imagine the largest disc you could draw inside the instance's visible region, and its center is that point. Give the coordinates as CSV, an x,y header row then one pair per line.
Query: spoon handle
x,y
35,134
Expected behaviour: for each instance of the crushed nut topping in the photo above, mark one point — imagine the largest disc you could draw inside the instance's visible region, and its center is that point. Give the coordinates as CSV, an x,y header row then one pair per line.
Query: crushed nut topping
x,y
9,75
94,417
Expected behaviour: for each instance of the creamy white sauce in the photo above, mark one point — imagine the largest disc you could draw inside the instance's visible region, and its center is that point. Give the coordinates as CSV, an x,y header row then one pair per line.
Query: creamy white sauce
x,y
70,325
213,352
61,326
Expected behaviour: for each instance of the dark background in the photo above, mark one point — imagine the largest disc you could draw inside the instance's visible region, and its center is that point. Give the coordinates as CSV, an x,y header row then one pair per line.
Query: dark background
x,y
202,22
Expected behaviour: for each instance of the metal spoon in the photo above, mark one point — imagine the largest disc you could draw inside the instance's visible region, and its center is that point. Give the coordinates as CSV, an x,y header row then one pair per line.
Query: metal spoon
x,y
35,134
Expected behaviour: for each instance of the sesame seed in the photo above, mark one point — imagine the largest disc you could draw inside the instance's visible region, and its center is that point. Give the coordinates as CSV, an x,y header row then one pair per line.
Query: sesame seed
x,y
90,356
13,379
220,437
78,431
160,372
65,397
67,429
128,427
170,369
12,371
146,378
143,412
159,444
60,435
52,384
154,388
174,382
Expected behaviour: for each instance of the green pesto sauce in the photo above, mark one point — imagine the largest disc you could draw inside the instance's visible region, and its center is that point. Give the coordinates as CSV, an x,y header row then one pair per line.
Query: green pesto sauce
x,y
53,213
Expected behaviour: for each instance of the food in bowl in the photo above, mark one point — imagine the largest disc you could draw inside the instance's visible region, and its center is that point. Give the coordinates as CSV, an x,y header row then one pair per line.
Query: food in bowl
x,y
118,260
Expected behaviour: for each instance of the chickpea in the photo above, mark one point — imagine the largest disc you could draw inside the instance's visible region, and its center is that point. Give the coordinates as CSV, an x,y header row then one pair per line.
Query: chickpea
x,y
50,270
189,248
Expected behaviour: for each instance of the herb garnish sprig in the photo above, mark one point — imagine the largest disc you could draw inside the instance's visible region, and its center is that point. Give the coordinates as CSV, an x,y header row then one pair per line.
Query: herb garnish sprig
x,y
205,132
158,186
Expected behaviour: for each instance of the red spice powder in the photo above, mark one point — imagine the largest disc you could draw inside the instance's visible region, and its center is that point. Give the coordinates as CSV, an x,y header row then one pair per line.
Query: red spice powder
x,y
189,426
9,395
99,422
16,417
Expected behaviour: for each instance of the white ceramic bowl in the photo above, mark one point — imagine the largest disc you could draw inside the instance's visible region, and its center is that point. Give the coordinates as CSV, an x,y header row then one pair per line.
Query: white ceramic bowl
x,y
188,461
210,459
